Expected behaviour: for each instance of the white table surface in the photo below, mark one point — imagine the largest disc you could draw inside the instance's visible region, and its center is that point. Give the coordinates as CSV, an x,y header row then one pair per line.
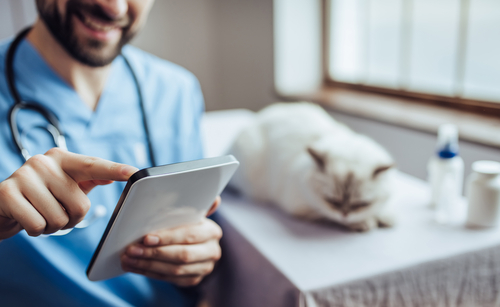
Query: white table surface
x,y
308,258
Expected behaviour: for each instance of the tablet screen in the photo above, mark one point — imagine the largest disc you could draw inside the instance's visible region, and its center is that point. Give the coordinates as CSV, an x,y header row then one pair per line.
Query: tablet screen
x,y
157,198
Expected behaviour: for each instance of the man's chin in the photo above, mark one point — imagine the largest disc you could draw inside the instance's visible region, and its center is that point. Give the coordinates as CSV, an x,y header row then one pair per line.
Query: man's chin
x,y
95,55
91,51
97,60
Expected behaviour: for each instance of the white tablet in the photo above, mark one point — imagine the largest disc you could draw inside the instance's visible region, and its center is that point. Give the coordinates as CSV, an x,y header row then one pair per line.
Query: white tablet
x,y
158,198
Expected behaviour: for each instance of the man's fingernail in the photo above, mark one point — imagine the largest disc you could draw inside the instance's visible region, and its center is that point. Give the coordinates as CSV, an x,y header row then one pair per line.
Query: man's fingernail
x,y
135,251
129,170
152,240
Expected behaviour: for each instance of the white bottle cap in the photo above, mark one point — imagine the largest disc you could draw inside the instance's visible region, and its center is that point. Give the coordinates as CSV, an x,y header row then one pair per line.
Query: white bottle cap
x,y
486,167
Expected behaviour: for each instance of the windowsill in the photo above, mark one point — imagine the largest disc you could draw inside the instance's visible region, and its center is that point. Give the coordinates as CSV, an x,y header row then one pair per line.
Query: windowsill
x,y
406,113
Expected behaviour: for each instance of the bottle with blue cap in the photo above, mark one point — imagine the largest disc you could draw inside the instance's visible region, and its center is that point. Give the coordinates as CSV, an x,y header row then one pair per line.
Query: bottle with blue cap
x,y
446,172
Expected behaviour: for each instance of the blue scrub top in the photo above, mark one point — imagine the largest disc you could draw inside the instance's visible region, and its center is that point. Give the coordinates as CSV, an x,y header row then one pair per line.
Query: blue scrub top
x,y
51,271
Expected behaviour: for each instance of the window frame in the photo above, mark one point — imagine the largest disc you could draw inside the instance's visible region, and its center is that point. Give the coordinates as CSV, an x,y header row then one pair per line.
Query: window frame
x,y
456,103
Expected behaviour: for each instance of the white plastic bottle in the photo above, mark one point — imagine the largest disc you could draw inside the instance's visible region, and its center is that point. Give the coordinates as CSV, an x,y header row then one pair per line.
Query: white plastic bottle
x,y
483,194
446,172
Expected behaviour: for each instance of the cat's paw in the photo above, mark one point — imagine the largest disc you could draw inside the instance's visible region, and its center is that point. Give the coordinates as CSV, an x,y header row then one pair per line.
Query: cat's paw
x,y
364,226
386,221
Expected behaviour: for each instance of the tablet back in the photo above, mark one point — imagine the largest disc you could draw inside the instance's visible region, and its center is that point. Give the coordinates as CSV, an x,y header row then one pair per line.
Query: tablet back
x,y
159,198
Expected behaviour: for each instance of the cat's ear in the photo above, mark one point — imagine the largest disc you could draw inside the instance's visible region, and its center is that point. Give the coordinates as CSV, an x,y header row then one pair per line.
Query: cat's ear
x,y
318,157
381,169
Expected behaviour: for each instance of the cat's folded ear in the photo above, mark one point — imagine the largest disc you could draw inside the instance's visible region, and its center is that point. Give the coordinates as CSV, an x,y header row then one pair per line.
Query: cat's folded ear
x,y
381,169
318,157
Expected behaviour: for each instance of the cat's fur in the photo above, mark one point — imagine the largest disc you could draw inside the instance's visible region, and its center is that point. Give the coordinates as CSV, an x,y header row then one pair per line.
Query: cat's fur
x,y
296,156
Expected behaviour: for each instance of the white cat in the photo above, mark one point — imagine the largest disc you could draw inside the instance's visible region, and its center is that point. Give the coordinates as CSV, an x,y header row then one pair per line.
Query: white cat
x,y
296,156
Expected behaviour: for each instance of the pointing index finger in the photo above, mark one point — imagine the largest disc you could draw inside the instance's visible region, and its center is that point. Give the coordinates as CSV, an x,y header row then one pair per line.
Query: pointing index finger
x,y
83,168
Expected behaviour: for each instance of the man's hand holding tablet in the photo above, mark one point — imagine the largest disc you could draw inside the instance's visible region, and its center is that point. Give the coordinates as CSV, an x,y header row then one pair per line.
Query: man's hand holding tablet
x,y
159,227
182,255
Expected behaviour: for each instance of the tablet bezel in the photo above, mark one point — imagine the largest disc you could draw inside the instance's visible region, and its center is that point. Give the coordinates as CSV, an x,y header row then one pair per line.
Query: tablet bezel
x,y
169,169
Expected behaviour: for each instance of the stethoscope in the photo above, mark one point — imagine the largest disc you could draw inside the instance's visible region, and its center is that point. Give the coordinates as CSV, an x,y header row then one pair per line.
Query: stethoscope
x,y
53,126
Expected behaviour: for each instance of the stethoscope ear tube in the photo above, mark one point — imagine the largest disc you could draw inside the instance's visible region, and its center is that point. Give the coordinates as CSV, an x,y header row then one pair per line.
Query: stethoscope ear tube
x,y
9,61
53,127
15,131
143,111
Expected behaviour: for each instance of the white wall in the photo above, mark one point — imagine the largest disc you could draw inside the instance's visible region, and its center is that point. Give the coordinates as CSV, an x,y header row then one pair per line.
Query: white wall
x,y
182,31
227,44
15,15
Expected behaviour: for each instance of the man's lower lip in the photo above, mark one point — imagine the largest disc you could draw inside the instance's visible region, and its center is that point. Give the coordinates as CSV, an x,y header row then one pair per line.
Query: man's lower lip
x,y
100,35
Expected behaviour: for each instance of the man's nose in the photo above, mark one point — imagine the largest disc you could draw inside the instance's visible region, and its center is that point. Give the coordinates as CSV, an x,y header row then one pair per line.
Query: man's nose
x,y
114,8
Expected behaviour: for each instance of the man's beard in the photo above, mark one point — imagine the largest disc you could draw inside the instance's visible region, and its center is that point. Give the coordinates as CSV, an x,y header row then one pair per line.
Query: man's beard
x,y
90,52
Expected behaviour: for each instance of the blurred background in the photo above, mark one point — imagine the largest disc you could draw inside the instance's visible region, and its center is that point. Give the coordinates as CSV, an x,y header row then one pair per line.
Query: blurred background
x,y
227,44
391,69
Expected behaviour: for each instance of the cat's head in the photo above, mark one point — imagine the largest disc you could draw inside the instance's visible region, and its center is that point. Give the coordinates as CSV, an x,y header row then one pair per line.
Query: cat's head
x,y
351,179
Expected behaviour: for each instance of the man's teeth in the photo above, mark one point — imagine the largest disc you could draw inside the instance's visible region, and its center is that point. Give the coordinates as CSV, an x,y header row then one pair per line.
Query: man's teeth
x,y
97,25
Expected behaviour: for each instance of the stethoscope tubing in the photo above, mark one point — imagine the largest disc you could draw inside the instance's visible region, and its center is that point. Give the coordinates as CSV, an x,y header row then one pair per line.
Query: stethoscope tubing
x,y
54,127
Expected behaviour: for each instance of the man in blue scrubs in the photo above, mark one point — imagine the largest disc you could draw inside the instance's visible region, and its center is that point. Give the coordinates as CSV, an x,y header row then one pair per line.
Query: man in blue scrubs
x,y
70,64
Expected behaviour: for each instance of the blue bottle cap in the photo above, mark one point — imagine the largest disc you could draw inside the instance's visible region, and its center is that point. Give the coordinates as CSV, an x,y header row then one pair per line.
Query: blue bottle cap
x,y
447,146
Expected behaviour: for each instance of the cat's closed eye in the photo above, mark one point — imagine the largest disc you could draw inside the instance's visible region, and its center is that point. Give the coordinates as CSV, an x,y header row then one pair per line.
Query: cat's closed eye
x,y
335,202
359,205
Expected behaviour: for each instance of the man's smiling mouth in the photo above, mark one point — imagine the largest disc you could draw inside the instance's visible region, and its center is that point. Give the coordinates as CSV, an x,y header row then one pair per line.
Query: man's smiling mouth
x,y
96,24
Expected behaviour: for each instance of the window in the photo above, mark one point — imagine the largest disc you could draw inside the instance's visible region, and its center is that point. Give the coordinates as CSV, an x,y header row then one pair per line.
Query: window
x,y
446,51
